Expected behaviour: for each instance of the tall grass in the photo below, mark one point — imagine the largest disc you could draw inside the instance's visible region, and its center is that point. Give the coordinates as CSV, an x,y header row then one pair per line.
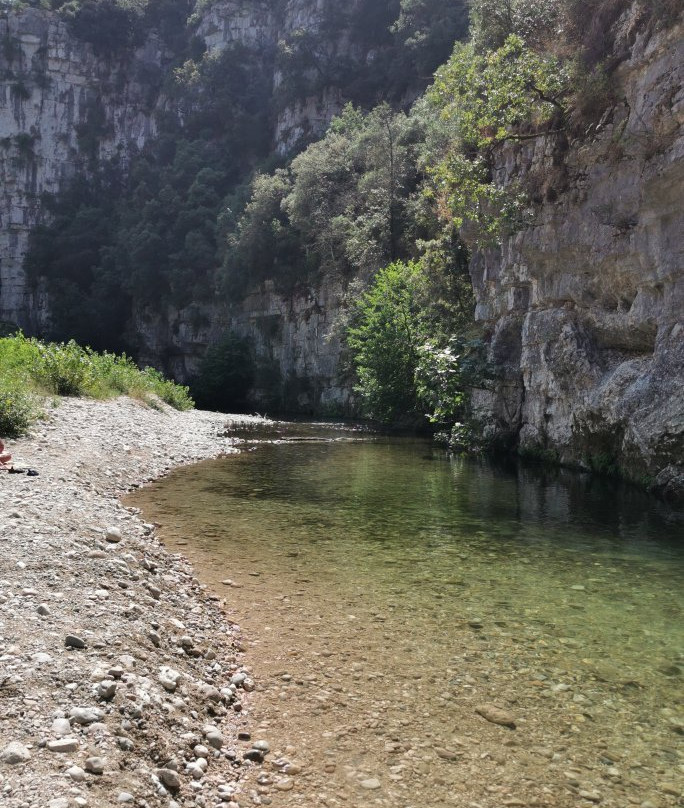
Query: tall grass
x,y
31,369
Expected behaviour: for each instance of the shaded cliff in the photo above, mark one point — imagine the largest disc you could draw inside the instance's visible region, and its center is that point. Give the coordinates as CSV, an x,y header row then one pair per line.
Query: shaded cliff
x,y
584,309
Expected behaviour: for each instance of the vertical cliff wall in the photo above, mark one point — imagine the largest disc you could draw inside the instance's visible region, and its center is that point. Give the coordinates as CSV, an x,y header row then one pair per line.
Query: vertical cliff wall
x,y
60,106
584,309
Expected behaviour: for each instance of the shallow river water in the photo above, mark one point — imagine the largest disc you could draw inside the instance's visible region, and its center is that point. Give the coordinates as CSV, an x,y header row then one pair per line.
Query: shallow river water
x,y
387,592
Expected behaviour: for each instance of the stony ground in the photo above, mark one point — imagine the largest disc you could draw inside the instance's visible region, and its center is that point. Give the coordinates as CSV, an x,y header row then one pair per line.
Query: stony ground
x,y
120,677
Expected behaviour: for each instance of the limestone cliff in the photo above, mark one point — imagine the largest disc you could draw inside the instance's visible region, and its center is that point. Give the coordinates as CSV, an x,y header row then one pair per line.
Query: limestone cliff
x,y
584,310
60,106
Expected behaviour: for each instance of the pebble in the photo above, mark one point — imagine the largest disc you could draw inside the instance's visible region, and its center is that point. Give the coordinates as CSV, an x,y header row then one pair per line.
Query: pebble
x,y
371,783
86,715
72,641
95,765
169,778
14,753
262,746
106,690
169,678
214,738
284,784
113,535
496,715
63,745
61,727
76,773
125,797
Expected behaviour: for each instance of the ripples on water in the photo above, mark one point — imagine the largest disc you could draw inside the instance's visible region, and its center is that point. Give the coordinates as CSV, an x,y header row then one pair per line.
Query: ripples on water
x,y
388,589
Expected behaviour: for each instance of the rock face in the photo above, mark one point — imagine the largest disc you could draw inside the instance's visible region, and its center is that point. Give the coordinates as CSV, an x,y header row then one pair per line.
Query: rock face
x,y
584,310
60,105
295,337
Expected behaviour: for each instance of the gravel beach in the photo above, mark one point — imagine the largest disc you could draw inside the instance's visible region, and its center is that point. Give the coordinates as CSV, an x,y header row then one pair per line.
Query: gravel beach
x,y
120,677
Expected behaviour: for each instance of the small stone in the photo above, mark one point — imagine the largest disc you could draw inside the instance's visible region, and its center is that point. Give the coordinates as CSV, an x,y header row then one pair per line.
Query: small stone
x,y
201,751
72,641
124,797
61,727
446,754
495,715
169,678
63,745
43,610
76,773
14,753
125,744
59,802
262,746
106,690
95,765
371,783
113,535
284,784
86,715
169,778
214,738
671,788
591,796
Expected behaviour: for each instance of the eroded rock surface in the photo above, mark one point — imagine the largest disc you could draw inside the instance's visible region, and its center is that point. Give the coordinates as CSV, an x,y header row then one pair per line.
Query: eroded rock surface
x,y
584,309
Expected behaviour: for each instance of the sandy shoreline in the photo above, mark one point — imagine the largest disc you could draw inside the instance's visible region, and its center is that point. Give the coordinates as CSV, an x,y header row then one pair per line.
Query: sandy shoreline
x,y
145,714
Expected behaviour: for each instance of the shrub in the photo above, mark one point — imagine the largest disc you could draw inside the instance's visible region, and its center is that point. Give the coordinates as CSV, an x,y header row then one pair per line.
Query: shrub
x,y
65,369
17,409
175,395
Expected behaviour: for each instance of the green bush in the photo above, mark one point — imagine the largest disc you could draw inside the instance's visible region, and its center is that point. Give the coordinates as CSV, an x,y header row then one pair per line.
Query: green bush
x,y
17,410
65,369
29,368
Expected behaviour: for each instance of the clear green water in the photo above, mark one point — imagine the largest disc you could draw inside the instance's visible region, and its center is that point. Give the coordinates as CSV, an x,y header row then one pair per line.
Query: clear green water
x,y
388,589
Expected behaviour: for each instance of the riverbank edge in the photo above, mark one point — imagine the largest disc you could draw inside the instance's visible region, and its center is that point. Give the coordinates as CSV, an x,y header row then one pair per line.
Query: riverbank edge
x,y
121,678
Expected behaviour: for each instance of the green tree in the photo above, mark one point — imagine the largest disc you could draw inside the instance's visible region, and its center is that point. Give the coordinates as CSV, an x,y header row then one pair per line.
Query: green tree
x,y
510,94
384,341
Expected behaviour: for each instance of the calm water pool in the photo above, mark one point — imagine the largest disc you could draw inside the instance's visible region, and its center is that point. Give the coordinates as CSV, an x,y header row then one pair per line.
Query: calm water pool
x,y
388,590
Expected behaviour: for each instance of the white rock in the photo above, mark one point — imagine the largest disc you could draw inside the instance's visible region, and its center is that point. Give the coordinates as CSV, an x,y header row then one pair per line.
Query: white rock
x,y
86,715
113,535
169,678
14,753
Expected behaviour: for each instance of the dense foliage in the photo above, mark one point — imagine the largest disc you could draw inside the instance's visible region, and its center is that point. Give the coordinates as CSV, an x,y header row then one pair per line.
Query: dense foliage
x,y
31,369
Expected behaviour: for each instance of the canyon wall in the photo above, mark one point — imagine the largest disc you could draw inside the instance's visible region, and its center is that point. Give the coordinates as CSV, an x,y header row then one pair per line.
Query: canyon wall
x,y
584,310
60,106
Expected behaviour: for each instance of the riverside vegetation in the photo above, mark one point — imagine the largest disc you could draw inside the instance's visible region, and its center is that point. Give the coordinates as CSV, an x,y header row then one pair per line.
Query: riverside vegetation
x,y
31,370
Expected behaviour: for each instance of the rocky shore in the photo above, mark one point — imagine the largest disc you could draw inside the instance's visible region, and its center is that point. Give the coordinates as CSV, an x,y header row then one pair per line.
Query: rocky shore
x,y
120,677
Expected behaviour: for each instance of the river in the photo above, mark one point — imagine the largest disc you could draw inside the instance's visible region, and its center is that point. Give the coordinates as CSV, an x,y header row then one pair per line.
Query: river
x,y
390,594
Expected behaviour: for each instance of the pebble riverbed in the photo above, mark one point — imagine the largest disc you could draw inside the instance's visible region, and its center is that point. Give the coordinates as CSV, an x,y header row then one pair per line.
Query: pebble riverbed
x,y
121,678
